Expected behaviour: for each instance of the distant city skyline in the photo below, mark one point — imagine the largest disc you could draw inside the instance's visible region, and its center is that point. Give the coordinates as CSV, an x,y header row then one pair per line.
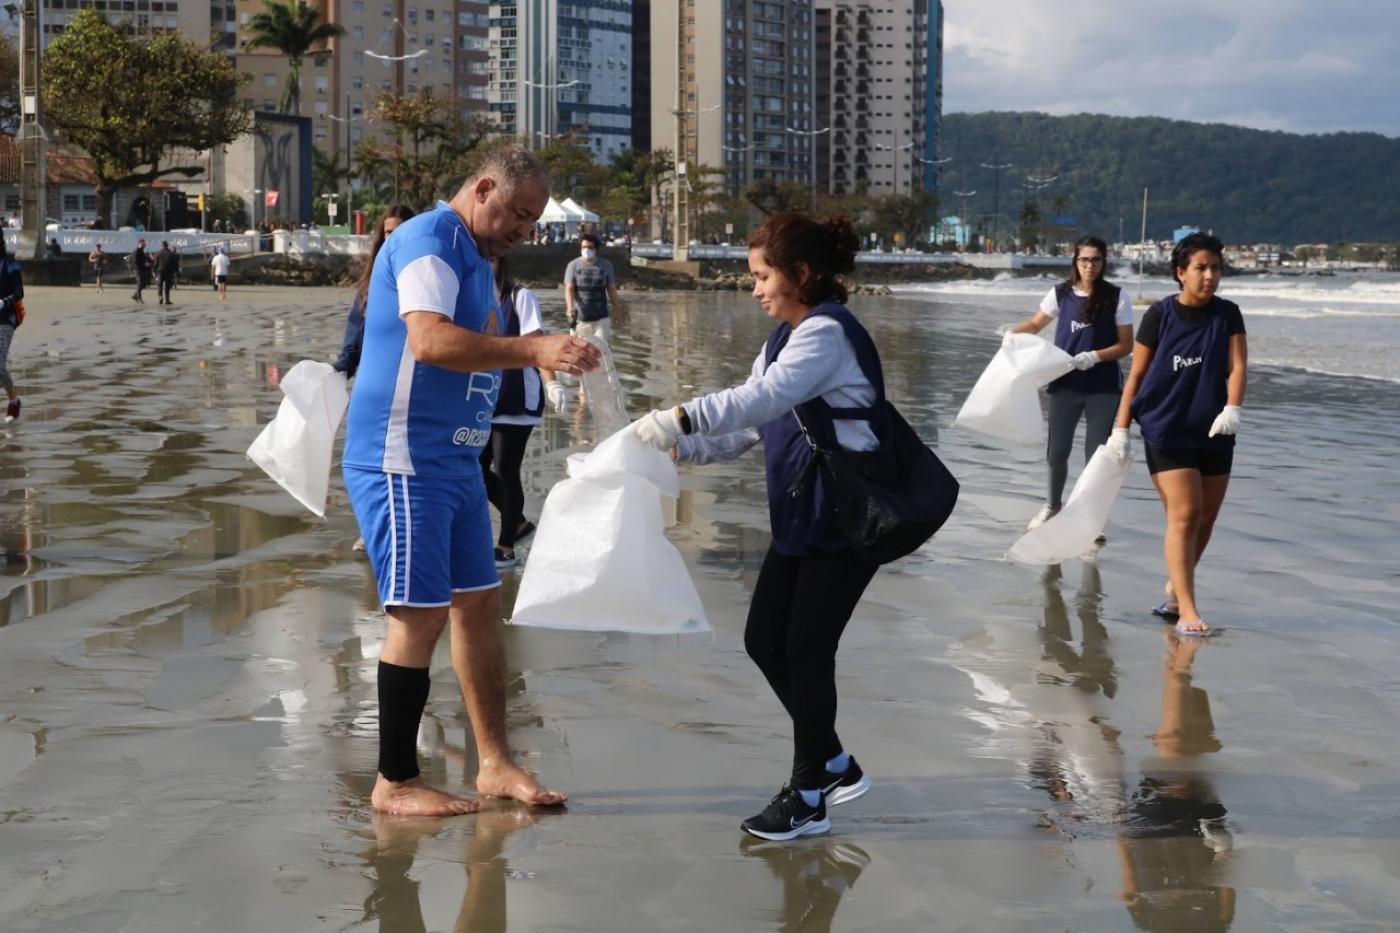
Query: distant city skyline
x,y
1292,65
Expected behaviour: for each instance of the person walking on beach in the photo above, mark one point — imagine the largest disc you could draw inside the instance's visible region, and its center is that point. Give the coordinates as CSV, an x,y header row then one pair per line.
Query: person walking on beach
x,y
11,315
219,266
590,290
1094,324
349,360
167,264
821,366
98,260
518,410
428,382
141,265
1185,391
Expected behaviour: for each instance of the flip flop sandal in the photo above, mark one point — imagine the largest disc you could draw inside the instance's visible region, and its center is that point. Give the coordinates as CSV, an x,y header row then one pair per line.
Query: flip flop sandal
x,y
1165,611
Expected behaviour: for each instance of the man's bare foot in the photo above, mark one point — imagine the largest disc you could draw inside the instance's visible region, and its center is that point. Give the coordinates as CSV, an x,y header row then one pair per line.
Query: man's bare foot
x,y
1196,626
415,798
506,780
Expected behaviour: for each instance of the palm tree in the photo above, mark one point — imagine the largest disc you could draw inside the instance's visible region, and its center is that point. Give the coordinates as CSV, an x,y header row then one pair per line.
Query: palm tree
x,y
292,29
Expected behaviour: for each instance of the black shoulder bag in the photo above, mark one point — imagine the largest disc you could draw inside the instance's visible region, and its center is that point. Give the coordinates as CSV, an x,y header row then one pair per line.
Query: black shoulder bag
x,y
890,500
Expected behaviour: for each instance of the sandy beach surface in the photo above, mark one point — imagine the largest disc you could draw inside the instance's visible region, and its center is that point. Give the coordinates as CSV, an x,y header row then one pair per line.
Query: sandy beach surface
x,y
187,661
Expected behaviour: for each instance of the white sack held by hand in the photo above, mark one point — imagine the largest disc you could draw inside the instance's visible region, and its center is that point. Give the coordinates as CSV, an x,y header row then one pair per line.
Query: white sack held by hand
x,y
600,560
1072,532
1004,402
295,448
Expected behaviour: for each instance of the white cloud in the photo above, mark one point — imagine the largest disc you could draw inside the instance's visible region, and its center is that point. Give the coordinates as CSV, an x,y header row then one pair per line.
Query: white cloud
x,y
1298,65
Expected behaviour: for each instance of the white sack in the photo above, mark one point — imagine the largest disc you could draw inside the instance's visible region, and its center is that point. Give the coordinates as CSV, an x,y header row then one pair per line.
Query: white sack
x,y
1004,402
1082,519
295,448
600,559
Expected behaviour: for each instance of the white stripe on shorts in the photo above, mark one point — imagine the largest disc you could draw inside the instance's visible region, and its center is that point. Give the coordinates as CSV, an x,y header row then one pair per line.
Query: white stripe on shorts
x,y
408,540
393,538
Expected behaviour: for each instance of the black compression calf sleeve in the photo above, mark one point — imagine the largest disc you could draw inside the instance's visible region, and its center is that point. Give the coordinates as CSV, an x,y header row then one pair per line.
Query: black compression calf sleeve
x,y
403,692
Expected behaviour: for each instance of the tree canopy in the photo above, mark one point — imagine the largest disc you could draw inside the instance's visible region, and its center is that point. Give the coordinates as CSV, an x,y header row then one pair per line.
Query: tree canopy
x,y
1249,186
134,106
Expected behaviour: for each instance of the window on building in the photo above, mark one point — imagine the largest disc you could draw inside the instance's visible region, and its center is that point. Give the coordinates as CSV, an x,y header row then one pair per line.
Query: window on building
x,y
269,80
358,32
358,7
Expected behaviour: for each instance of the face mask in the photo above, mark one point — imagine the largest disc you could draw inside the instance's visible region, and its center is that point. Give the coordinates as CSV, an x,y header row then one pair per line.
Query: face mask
x,y
589,253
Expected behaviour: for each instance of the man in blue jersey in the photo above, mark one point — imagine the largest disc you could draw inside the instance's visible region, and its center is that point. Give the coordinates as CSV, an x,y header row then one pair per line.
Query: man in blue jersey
x,y
421,410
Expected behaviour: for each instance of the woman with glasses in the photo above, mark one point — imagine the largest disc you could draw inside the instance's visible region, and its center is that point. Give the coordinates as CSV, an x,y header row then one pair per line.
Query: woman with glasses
x,y
1094,324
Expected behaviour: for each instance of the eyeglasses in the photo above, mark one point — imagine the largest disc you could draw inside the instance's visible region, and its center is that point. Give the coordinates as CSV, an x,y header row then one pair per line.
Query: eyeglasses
x,y
1089,260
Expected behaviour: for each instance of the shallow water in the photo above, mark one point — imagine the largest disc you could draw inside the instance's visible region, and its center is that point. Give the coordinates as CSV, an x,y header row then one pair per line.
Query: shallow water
x,y
187,713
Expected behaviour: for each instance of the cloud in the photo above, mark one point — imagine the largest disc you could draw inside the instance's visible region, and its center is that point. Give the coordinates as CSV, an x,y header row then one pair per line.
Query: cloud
x,y
1295,65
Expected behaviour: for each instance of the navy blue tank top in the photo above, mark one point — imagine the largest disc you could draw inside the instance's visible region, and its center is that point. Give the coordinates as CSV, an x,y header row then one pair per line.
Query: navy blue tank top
x,y
799,507
512,398
1074,334
1186,383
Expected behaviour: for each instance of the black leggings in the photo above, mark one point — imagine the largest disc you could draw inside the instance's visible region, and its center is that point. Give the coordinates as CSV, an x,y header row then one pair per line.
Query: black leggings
x,y
800,608
506,452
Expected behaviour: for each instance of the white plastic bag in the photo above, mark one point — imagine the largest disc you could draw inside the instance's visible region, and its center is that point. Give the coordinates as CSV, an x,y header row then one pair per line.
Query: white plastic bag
x,y
600,559
295,448
1004,402
1072,532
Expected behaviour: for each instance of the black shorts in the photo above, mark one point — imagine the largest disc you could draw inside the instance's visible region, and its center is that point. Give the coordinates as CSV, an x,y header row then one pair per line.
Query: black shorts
x,y
1206,462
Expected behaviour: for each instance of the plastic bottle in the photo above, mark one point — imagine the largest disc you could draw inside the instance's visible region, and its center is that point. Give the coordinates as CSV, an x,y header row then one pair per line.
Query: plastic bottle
x,y
602,389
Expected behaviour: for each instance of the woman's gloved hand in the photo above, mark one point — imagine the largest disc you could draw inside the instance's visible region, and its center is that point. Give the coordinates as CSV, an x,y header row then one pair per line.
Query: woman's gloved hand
x,y
1120,446
558,398
1086,360
1227,422
660,429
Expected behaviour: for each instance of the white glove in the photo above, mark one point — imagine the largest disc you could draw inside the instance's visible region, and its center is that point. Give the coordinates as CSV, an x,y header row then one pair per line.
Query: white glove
x,y
1005,332
1086,360
661,429
1120,446
558,398
1227,422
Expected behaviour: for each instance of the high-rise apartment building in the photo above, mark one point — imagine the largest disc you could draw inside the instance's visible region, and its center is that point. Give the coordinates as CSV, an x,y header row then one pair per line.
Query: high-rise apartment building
x,y
563,69
879,66
747,83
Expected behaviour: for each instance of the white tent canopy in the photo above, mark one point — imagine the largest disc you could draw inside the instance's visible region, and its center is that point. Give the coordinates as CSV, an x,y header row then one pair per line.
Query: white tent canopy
x,y
583,213
554,213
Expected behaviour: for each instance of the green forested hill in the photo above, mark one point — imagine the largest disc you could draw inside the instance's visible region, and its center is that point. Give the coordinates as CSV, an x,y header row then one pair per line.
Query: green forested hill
x,y
1249,186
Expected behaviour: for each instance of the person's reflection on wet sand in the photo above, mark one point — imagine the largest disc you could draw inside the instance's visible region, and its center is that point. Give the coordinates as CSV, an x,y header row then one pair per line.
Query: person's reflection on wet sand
x,y
1078,762
395,901
1174,845
815,876
1090,668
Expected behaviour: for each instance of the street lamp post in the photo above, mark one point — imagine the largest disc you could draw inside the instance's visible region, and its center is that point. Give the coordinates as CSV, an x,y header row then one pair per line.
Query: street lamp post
x,y
33,199
997,169
812,154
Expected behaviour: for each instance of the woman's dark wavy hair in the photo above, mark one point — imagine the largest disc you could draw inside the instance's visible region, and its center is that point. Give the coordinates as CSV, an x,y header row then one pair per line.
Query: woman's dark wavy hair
x,y
1191,245
402,212
1101,300
790,240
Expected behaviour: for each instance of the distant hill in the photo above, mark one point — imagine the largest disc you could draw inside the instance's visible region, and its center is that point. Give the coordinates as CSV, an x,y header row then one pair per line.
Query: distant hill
x,y
1249,186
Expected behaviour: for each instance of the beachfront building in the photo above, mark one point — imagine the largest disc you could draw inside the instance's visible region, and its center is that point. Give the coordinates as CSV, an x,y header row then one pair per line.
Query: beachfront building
x,y
563,69
880,89
748,82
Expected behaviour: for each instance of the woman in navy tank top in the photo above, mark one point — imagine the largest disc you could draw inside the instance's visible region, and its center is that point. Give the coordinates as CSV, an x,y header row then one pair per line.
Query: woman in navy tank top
x,y
1094,324
1185,391
821,366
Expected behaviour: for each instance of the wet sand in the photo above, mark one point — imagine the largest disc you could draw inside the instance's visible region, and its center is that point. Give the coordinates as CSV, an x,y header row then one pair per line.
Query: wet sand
x,y
187,717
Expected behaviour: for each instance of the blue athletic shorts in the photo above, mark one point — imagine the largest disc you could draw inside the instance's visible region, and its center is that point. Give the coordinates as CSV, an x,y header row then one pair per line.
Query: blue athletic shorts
x,y
426,537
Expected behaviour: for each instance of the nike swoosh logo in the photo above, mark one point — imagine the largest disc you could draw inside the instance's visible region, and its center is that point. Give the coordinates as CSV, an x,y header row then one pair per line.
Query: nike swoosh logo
x,y
794,822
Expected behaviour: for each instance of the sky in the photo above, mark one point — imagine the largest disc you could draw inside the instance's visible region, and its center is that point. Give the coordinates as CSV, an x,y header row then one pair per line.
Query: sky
x,y
1302,66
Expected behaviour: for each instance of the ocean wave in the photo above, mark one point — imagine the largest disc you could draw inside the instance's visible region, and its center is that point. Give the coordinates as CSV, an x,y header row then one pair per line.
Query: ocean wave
x,y
1321,371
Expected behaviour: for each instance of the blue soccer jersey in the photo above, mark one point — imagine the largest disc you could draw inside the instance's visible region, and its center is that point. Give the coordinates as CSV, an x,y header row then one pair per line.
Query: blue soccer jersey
x,y
409,417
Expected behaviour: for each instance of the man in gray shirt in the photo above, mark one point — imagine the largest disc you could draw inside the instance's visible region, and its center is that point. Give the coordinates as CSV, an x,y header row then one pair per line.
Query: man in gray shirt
x,y
590,288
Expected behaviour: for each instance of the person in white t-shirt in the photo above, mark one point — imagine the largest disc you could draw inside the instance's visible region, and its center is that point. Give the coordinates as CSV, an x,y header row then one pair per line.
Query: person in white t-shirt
x,y
518,409
1094,324
220,266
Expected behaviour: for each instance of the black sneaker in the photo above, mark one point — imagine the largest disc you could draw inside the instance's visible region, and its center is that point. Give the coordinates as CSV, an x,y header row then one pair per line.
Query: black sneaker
x,y
787,816
504,560
845,787
526,529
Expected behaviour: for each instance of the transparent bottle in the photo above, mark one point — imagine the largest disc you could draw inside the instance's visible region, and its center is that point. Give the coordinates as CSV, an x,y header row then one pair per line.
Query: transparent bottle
x,y
604,395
